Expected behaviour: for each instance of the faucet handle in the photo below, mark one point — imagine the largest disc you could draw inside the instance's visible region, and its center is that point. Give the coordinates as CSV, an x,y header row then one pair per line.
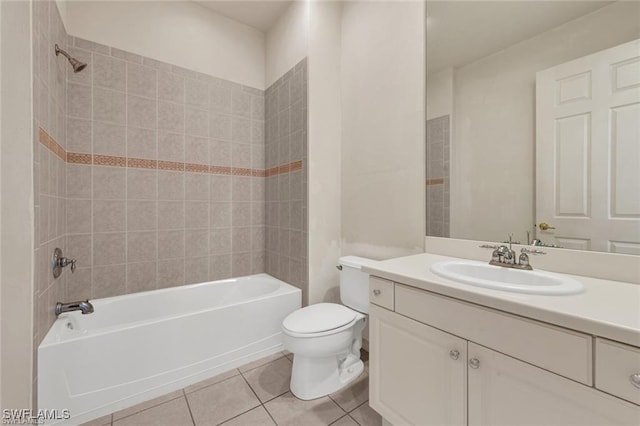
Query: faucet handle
x,y
534,252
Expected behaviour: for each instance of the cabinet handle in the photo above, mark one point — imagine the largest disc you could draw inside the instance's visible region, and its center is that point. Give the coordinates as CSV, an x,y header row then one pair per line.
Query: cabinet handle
x,y
376,292
635,380
454,354
474,363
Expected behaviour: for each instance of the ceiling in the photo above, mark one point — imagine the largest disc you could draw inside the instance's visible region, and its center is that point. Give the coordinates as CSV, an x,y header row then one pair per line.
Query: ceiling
x,y
460,32
260,14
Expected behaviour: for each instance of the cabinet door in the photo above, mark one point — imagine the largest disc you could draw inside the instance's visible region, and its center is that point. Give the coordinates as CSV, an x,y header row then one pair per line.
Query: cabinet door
x,y
414,378
506,391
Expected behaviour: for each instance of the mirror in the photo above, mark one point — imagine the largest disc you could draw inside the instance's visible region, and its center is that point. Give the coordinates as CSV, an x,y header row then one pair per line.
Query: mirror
x,y
533,122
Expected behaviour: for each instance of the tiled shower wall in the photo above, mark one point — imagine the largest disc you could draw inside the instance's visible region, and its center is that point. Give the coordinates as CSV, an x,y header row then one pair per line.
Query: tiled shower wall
x,y
286,194
165,175
437,184
49,140
49,109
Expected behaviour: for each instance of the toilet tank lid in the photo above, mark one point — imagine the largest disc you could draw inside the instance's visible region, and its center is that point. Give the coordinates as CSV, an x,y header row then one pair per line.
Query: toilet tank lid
x,y
355,261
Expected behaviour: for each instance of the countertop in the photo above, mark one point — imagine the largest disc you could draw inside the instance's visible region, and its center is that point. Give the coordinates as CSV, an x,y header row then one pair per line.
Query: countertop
x,y
609,309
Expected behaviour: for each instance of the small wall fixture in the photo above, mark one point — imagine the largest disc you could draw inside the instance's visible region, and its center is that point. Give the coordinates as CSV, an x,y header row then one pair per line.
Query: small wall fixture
x,y
76,64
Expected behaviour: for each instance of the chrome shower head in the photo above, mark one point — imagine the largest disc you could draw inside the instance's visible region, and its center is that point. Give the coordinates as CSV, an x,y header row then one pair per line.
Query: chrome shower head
x,y
75,64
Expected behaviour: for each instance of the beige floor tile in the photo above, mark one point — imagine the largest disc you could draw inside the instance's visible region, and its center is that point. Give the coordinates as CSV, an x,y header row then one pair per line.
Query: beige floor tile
x,y
222,401
353,395
172,413
345,421
212,381
287,410
270,380
366,416
100,421
260,362
290,356
147,404
256,417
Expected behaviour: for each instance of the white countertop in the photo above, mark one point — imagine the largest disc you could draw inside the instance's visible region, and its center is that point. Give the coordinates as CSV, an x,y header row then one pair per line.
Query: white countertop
x,y
610,309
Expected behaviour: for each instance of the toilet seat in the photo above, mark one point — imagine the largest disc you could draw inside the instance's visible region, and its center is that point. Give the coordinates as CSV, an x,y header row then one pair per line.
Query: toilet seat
x,y
319,320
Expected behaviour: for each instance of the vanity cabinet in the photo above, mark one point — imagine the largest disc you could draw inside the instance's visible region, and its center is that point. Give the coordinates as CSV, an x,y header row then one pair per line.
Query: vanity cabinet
x,y
435,360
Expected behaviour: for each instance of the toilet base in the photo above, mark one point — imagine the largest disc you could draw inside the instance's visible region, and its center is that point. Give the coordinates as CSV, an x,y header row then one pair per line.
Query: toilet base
x,y
313,378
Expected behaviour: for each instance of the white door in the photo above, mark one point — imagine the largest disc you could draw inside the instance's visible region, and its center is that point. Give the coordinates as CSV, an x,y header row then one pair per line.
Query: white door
x,y
588,151
506,391
423,381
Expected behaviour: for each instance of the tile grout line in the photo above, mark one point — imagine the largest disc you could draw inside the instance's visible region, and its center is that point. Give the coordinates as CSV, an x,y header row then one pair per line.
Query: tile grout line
x,y
193,420
257,397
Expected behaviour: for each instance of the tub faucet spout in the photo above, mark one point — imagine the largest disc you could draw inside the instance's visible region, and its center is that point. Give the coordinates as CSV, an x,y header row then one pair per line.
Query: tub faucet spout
x,y
83,306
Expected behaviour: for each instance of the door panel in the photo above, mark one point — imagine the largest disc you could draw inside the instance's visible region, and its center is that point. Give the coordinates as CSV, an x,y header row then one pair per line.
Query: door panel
x,y
506,391
588,151
420,383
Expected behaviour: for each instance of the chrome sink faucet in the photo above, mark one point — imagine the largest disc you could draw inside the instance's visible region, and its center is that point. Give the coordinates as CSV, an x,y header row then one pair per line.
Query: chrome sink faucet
x,y
84,306
506,257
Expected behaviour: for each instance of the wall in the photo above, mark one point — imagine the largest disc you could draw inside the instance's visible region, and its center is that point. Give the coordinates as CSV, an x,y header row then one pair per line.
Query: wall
x,y
50,140
493,150
438,180
16,207
383,142
325,144
439,98
287,41
180,33
286,187
165,175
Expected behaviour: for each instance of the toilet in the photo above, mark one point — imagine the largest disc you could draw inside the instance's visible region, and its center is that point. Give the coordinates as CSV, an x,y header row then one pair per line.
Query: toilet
x,y
326,338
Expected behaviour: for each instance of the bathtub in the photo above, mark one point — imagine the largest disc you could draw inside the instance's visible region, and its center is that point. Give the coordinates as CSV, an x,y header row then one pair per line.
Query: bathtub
x,y
136,347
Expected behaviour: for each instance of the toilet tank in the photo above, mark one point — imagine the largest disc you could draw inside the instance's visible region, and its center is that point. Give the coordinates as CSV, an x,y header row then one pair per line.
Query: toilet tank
x,y
354,284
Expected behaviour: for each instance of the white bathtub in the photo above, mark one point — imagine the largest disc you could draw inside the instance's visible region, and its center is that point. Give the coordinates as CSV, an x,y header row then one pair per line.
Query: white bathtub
x,y
140,346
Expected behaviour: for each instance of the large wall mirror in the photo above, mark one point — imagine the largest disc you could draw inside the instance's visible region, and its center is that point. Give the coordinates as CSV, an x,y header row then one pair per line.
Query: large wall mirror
x,y
533,122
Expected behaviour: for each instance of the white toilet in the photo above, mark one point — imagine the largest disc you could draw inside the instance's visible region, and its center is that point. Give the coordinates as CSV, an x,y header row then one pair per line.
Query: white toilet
x,y
326,338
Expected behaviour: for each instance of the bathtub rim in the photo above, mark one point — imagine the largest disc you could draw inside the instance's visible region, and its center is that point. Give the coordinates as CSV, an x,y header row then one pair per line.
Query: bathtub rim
x,y
51,338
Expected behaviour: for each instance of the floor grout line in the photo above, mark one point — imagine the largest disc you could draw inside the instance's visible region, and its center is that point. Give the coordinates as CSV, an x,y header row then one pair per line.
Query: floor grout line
x,y
193,420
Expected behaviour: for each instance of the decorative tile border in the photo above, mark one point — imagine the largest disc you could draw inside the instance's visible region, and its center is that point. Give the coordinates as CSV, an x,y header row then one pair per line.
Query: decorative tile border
x,y
439,181
141,163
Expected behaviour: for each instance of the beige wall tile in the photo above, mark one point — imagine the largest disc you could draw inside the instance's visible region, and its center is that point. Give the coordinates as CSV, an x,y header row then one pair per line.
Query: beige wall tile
x,y
220,153
142,184
220,215
220,242
196,186
142,143
196,93
108,72
170,185
196,242
109,106
170,87
170,273
109,139
170,244
142,246
108,281
78,135
171,215
170,116
196,270
109,249
220,267
196,214
241,130
240,264
109,215
78,216
220,126
220,98
141,276
108,182
170,146
78,101
141,81
141,112
197,122
142,215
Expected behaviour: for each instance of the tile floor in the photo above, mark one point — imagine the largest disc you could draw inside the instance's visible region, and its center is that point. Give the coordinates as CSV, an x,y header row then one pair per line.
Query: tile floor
x,y
255,394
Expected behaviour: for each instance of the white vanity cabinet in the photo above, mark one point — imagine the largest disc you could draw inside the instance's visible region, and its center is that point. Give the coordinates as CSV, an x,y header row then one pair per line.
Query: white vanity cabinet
x,y
435,360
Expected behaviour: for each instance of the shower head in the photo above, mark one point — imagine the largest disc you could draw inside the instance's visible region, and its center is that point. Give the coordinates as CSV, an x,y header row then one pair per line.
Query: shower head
x,y
76,64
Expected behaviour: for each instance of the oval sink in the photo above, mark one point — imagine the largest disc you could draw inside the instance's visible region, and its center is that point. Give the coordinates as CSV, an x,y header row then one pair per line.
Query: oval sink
x,y
500,278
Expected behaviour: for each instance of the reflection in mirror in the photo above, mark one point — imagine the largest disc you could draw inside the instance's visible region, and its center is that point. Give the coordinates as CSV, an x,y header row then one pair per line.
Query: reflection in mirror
x,y
533,122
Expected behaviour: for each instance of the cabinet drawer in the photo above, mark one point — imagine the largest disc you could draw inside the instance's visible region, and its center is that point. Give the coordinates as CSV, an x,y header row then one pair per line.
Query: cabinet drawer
x,y
616,364
556,349
381,292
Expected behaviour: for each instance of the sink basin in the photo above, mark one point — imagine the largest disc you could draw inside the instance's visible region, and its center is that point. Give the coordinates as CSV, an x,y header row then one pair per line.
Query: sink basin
x,y
482,274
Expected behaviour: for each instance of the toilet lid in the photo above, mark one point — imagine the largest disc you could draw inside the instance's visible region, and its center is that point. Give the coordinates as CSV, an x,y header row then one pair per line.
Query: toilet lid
x,y
319,317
